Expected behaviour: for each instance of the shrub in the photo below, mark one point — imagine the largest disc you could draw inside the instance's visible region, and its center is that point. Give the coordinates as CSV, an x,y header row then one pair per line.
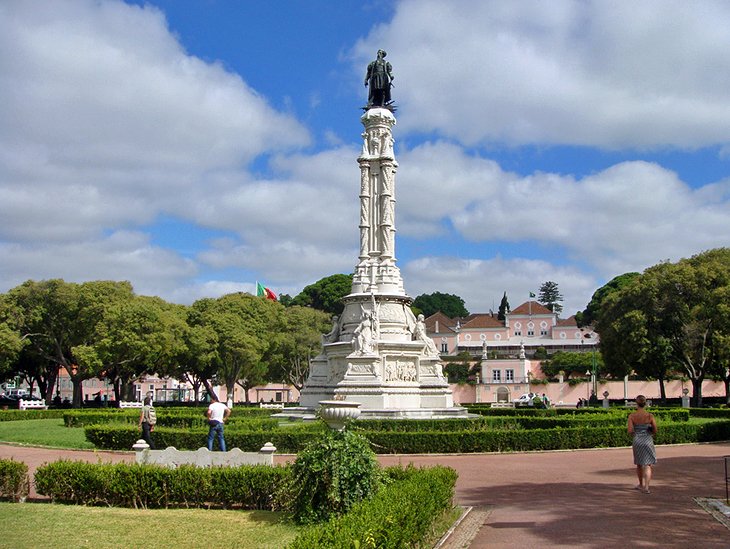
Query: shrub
x,y
400,515
14,482
330,475
149,486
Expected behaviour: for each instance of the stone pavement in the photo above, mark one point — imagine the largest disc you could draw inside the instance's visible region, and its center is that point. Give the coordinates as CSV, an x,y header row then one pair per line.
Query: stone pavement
x,y
579,498
585,498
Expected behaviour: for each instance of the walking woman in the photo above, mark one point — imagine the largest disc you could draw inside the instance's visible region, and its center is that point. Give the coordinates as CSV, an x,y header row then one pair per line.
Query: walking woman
x,y
642,426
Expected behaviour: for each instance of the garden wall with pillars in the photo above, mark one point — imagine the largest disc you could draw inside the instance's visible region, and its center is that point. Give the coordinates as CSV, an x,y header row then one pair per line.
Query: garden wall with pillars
x,y
569,395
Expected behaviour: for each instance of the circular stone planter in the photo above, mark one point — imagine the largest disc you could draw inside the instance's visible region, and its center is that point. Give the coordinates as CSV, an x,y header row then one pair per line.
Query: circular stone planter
x,y
337,412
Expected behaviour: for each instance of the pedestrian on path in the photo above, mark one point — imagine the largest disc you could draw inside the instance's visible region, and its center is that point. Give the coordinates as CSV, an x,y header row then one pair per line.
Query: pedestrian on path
x,y
147,421
642,426
217,415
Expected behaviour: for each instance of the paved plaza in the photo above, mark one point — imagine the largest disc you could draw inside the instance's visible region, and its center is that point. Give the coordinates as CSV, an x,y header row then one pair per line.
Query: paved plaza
x,y
579,498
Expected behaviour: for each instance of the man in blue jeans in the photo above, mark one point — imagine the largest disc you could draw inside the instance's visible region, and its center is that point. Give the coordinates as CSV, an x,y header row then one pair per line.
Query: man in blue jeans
x,y
217,415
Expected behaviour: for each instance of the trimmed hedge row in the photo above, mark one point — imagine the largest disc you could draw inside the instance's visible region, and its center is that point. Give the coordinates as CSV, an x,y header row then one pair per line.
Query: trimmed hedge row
x,y
19,415
669,414
180,418
484,423
14,481
536,439
154,486
118,436
401,515
723,413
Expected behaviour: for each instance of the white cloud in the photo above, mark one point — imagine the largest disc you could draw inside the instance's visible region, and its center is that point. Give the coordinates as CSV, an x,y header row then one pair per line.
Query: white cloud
x,y
627,217
105,120
122,255
482,282
609,74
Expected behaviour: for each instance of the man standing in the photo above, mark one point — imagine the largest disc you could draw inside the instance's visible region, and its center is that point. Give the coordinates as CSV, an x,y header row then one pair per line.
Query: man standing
x,y
217,415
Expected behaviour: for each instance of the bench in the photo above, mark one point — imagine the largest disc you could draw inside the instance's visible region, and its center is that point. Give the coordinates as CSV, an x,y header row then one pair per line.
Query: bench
x,y
123,404
276,405
502,405
32,405
202,457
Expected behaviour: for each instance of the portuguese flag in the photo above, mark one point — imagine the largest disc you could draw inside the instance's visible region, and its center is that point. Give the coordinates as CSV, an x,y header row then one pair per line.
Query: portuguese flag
x,y
262,291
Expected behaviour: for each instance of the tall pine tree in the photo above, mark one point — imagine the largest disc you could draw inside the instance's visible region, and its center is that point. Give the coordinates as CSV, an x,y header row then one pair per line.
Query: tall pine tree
x,y
503,308
550,296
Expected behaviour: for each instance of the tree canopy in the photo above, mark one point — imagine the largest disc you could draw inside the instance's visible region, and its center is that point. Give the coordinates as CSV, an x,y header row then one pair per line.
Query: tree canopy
x,y
449,304
504,308
550,296
326,294
299,340
592,310
673,316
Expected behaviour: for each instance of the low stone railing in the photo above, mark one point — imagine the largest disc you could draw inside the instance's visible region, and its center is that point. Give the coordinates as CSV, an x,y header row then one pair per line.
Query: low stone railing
x,y
202,457
125,404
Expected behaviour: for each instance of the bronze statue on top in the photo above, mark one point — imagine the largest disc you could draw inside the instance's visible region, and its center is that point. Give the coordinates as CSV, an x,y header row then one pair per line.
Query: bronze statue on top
x,y
379,77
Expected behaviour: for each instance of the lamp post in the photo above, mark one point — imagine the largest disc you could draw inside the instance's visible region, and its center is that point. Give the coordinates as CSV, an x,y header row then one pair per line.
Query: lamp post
x,y
595,370
588,385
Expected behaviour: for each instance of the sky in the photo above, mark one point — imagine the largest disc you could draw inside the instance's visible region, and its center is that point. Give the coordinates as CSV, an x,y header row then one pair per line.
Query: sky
x,y
196,147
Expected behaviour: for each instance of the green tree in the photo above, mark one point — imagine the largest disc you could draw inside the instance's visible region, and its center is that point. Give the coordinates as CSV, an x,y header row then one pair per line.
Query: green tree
x,y
449,304
326,294
11,341
36,371
550,296
299,340
504,308
593,309
59,318
458,371
572,363
197,359
136,336
672,316
244,325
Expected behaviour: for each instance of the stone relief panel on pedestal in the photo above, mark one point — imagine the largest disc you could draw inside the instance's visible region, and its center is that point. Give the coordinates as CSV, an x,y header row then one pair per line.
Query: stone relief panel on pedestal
x,y
401,368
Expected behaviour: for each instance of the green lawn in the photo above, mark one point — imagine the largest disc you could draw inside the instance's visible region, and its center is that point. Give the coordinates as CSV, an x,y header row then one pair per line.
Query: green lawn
x,y
73,526
44,432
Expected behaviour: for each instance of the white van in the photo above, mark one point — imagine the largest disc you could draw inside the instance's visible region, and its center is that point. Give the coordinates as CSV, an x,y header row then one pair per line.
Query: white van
x,y
16,393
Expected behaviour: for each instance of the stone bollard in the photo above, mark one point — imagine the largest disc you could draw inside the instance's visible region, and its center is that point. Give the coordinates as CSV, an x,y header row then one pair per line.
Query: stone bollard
x,y
140,445
267,449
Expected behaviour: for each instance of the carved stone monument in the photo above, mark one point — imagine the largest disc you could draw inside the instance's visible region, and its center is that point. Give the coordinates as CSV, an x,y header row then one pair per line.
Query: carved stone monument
x,y
378,353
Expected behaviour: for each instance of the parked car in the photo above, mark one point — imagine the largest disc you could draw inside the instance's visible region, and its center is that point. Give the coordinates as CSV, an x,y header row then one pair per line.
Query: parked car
x,y
525,400
16,394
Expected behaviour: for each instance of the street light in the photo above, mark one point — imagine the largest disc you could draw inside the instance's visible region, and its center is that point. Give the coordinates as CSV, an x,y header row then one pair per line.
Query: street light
x,y
595,370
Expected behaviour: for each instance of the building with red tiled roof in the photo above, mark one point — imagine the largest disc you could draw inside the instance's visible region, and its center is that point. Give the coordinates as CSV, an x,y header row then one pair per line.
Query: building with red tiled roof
x,y
529,327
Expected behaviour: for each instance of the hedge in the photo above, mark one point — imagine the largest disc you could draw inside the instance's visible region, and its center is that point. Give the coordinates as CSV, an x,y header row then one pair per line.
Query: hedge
x,y
670,414
19,415
154,486
117,436
401,515
14,481
166,417
536,439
